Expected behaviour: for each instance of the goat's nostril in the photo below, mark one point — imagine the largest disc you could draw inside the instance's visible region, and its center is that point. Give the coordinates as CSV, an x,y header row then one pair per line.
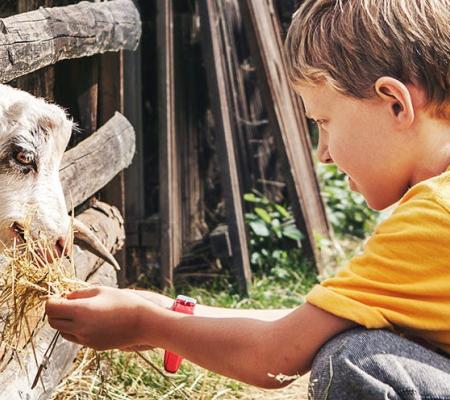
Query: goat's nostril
x,y
62,247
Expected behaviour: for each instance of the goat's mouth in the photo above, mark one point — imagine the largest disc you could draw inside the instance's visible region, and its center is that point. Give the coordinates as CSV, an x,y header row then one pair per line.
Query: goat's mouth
x,y
19,232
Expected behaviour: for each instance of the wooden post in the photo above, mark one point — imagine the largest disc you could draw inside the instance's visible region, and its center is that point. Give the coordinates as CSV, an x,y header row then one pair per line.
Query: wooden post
x,y
134,175
111,100
189,111
288,122
226,140
169,179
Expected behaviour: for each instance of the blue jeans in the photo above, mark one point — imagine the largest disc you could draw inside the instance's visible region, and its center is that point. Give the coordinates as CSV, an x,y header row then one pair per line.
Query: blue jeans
x,y
377,364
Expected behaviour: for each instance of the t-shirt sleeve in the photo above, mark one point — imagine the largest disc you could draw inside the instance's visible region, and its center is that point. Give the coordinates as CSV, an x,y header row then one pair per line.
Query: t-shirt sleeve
x,y
401,278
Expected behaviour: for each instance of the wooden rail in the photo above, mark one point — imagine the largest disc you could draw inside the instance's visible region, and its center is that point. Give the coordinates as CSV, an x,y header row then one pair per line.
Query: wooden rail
x,y
90,165
35,39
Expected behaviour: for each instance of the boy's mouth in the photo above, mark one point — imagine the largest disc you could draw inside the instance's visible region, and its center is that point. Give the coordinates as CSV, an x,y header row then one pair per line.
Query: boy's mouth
x,y
351,183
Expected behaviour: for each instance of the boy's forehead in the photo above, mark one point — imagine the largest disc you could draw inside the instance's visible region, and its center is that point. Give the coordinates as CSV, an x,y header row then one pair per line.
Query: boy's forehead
x,y
317,98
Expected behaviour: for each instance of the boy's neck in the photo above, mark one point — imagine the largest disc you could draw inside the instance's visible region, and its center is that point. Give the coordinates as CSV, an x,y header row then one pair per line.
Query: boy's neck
x,y
434,151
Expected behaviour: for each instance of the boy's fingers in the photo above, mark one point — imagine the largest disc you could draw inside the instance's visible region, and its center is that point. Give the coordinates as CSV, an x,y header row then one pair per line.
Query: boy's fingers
x,y
83,293
62,325
70,338
59,308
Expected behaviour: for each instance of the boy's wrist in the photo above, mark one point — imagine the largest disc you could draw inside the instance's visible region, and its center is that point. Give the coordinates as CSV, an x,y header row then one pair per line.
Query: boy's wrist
x,y
155,325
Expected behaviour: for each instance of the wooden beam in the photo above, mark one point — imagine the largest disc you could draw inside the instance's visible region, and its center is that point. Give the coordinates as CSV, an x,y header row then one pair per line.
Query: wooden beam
x,y
111,100
43,37
288,123
226,139
16,378
169,169
134,175
188,77
89,166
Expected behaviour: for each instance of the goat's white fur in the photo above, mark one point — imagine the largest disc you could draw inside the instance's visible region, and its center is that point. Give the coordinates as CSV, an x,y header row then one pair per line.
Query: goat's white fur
x,y
35,125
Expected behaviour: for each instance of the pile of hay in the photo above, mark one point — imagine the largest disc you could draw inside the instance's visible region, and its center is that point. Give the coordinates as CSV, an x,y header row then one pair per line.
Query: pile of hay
x,y
29,273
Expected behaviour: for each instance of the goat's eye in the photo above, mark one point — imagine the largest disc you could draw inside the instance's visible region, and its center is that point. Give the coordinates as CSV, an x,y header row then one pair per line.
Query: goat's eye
x,y
24,157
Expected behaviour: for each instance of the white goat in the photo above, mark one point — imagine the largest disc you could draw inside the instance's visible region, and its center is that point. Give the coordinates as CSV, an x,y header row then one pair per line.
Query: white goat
x,y
33,138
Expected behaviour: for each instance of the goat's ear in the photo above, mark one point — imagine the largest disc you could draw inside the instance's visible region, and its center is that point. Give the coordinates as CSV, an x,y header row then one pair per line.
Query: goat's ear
x,y
48,123
10,116
14,111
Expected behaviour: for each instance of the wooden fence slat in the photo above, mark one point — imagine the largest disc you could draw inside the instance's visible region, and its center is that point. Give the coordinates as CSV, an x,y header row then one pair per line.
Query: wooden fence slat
x,y
288,123
169,169
111,100
226,140
43,37
89,166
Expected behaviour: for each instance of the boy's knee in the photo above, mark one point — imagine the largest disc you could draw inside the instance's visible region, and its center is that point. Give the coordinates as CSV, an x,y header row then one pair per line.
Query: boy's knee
x,y
377,364
335,369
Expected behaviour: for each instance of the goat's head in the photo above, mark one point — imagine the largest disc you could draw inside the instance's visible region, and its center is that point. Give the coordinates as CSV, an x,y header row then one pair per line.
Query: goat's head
x,y
33,137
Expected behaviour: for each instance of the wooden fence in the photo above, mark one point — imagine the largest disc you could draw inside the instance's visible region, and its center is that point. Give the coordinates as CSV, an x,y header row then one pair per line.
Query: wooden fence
x,y
37,40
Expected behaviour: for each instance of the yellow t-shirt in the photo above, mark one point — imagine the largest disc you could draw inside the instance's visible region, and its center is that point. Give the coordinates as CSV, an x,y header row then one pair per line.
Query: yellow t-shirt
x,y
402,279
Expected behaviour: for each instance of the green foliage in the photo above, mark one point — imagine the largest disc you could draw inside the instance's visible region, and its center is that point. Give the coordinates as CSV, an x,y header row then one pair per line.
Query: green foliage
x,y
346,210
274,238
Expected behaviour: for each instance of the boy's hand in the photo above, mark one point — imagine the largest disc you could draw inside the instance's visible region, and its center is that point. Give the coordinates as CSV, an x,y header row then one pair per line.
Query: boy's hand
x,y
100,317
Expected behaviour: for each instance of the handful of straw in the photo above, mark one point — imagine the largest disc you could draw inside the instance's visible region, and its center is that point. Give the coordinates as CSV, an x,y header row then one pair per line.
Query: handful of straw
x,y
29,273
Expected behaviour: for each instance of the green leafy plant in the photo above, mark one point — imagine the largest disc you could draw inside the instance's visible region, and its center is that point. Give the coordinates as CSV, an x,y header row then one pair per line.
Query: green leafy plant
x,y
274,238
347,211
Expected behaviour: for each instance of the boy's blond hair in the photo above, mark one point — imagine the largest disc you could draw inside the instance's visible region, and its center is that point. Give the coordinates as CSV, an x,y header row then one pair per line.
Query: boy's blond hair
x,y
351,43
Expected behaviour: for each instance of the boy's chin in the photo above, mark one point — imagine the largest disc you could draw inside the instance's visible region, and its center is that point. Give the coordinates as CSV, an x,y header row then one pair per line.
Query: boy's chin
x,y
378,204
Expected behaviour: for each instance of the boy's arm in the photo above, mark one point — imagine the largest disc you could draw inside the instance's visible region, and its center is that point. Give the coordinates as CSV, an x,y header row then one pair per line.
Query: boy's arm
x,y
215,312
248,349
244,348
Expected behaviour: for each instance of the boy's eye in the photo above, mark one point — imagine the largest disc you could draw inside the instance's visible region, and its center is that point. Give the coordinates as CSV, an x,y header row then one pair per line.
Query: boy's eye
x,y
321,122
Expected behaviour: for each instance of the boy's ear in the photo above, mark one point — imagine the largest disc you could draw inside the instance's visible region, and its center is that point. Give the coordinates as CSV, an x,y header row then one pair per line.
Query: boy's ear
x,y
398,98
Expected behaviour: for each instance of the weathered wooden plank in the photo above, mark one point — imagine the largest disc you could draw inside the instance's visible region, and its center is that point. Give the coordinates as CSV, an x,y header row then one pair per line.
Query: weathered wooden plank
x,y
134,175
16,379
226,146
288,122
169,169
189,108
90,165
43,37
111,99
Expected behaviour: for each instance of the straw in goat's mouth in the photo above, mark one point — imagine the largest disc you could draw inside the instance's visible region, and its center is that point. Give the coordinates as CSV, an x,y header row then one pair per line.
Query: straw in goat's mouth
x,y
19,232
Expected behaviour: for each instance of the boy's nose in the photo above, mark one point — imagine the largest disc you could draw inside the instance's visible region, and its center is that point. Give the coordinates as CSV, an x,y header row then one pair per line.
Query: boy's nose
x,y
323,154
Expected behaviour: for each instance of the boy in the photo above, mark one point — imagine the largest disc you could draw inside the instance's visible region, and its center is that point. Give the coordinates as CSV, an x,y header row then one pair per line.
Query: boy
x,y
375,75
